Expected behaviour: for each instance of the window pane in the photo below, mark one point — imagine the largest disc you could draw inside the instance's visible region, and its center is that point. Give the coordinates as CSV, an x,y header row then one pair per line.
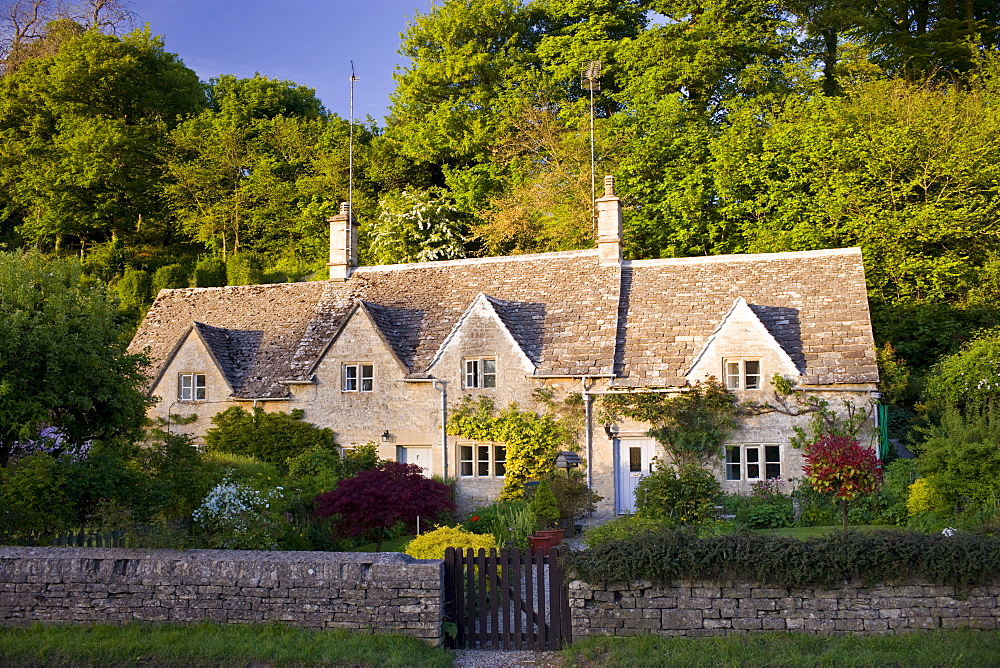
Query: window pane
x,y
733,375
500,460
772,461
199,386
489,373
753,463
635,460
472,373
367,377
733,463
465,455
351,378
752,368
482,460
185,387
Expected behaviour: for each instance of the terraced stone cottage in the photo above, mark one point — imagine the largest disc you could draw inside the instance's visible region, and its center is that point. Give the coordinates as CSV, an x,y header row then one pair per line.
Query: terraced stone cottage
x,y
377,353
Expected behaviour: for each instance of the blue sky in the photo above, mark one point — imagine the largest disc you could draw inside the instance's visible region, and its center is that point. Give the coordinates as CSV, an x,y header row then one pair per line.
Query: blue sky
x,y
310,42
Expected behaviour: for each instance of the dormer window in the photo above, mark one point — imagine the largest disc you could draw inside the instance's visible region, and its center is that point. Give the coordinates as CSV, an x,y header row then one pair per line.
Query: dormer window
x,y
480,372
359,377
742,374
191,387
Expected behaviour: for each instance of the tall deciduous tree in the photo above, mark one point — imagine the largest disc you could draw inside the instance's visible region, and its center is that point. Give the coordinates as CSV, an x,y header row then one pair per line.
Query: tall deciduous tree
x,y
62,358
81,135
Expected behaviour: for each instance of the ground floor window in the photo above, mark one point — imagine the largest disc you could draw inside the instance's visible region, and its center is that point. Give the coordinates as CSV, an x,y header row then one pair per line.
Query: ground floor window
x,y
482,460
753,462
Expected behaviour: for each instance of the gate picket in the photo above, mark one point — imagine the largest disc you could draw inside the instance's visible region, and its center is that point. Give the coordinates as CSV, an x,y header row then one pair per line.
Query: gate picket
x,y
507,600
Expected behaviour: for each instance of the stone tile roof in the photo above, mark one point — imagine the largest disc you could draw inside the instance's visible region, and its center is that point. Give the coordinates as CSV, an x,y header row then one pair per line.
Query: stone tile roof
x,y
643,320
814,303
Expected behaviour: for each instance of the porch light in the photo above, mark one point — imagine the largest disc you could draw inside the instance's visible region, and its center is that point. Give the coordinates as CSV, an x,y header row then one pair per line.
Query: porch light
x,y
386,436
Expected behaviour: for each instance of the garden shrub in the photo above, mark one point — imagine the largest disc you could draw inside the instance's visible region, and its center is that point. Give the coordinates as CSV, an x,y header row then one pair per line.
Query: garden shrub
x,y
962,453
843,468
924,497
235,516
170,277
34,498
210,272
376,500
684,495
544,507
243,269
573,496
245,469
870,557
766,507
432,545
622,528
134,291
313,471
270,437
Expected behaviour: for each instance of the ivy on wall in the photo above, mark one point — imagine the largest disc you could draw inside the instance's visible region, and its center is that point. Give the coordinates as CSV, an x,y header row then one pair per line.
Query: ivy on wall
x,y
533,440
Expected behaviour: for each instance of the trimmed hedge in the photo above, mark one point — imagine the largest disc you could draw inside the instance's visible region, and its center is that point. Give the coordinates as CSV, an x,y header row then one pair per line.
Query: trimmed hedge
x,y
880,556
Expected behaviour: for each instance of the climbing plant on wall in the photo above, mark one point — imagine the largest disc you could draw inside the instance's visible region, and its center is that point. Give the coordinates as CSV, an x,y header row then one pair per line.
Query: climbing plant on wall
x,y
533,440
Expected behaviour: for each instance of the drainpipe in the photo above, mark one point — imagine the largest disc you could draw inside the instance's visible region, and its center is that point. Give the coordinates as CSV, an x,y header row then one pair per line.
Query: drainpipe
x,y
443,389
588,407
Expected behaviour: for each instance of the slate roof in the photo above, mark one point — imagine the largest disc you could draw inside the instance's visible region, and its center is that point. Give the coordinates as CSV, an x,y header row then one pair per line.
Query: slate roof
x,y
643,321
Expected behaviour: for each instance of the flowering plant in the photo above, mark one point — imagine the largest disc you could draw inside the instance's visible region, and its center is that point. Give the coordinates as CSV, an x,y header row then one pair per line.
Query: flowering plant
x,y
236,516
841,466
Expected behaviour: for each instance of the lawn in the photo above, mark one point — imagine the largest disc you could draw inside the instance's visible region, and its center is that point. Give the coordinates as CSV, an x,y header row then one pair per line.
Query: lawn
x,y
210,645
932,648
394,545
816,532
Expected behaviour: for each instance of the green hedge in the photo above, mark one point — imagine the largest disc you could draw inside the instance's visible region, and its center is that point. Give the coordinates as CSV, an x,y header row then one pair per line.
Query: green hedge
x,y
880,556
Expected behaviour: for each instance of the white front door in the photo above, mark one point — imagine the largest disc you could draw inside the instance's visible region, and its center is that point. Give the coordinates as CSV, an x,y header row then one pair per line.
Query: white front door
x,y
633,458
419,455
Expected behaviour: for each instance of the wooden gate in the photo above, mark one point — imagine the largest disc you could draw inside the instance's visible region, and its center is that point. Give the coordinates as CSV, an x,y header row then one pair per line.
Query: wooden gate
x,y
511,600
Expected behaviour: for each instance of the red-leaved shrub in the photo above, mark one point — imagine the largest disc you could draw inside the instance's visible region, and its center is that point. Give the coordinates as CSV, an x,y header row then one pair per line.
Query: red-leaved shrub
x,y
841,466
377,499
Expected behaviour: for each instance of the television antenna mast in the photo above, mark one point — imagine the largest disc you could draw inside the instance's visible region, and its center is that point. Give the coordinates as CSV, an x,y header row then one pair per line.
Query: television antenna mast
x,y
591,80
350,151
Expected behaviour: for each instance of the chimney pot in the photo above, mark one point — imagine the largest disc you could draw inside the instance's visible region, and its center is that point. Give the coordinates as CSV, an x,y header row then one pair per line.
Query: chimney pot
x,y
343,243
609,186
609,224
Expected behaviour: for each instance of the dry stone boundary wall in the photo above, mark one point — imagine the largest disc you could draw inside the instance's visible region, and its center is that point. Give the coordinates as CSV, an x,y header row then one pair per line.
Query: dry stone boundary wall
x,y
703,609
384,592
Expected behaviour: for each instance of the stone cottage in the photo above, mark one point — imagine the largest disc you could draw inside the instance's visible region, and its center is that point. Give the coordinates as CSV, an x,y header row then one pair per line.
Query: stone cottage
x,y
377,354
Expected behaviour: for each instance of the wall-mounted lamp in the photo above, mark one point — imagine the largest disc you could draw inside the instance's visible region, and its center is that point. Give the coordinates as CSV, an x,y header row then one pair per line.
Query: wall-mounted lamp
x,y
611,429
386,436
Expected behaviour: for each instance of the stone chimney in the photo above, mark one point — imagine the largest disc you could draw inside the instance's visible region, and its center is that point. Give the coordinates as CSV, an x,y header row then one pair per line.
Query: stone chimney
x,y
343,243
609,224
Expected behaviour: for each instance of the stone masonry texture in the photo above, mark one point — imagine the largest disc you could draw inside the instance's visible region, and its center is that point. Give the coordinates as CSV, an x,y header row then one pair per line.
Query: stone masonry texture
x,y
364,592
710,609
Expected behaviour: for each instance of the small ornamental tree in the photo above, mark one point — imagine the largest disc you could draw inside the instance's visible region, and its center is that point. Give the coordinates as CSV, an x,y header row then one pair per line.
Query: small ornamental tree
x,y
544,506
378,499
840,466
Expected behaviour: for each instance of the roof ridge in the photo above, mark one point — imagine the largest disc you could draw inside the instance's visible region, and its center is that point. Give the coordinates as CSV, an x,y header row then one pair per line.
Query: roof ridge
x,y
587,252
743,257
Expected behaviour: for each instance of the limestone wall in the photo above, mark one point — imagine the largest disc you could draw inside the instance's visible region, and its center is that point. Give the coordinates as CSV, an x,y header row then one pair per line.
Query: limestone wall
x,y
386,592
701,609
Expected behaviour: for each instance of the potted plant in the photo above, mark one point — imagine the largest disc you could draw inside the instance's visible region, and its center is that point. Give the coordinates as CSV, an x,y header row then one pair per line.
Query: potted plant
x,y
546,511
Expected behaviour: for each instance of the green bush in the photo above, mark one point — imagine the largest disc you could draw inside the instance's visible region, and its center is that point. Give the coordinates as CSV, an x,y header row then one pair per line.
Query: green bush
x,y
243,269
134,290
271,437
962,453
544,507
623,528
869,557
509,522
34,498
170,277
573,496
244,468
684,495
314,471
432,545
210,272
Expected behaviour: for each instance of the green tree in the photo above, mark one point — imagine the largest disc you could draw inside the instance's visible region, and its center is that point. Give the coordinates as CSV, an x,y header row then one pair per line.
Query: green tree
x,y
271,437
210,272
415,226
169,277
134,290
969,380
243,269
81,135
63,362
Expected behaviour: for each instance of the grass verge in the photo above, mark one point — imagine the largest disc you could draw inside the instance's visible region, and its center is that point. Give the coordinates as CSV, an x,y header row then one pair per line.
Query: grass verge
x,y
931,648
210,645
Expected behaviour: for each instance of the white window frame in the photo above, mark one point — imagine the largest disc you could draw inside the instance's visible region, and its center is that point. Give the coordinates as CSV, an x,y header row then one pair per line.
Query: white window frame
x,y
358,377
191,387
751,462
742,373
479,373
482,459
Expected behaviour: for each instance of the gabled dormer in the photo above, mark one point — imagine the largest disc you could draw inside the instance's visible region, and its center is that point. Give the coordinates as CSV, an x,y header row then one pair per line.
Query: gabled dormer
x,y
741,353
490,339
207,364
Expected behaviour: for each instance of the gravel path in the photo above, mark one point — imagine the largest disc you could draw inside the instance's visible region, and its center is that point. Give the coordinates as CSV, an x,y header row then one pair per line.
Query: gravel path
x,y
484,658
